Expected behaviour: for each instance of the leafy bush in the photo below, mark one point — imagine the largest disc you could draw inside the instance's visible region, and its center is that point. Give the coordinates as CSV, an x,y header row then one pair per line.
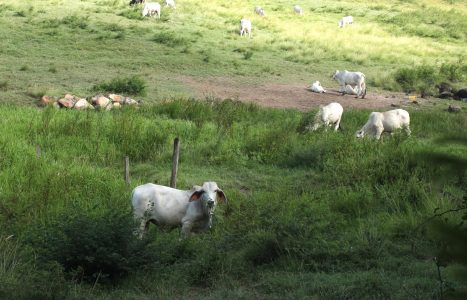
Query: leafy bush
x,y
129,86
421,79
91,248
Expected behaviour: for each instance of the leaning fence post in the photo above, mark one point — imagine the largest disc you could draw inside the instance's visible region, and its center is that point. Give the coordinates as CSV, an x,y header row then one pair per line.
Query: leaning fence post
x,y
176,153
127,170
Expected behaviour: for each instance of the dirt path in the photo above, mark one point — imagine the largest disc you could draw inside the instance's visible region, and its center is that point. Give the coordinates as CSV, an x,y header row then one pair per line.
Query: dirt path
x,y
295,95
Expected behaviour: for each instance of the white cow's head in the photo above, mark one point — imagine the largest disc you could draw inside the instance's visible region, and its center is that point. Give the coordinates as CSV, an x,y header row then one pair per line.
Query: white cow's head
x,y
335,74
208,195
360,133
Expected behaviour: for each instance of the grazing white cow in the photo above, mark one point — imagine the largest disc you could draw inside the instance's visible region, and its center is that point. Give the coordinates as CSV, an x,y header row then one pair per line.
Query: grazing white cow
x,y
317,88
345,78
347,20
166,206
245,27
151,8
388,121
297,9
260,11
328,115
170,3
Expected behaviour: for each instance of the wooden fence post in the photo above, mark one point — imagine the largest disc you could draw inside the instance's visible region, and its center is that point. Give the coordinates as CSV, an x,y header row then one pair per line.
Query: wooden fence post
x,y
176,153
127,170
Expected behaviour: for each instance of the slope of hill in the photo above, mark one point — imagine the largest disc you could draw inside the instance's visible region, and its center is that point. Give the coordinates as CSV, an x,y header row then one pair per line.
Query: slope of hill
x,y
55,47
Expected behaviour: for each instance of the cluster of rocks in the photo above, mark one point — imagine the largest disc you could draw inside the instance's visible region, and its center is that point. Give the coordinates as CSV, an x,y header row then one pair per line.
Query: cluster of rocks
x,y
447,92
105,102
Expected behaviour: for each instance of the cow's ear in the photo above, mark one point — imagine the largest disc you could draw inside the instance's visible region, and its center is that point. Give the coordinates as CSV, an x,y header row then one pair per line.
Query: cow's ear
x,y
221,195
195,196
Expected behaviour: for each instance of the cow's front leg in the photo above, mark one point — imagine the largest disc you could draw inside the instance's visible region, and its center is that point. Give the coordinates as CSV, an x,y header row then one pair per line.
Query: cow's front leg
x,y
186,229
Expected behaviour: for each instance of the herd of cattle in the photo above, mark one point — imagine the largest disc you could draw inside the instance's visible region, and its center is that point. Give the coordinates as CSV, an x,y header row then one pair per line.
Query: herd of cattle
x,y
193,209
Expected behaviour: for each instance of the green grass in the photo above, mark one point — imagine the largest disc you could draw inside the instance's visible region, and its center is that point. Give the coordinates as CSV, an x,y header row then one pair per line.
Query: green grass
x,y
85,42
317,215
320,215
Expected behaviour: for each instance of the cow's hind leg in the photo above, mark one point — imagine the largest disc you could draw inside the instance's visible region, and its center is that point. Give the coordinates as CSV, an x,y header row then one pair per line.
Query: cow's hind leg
x,y
143,228
337,124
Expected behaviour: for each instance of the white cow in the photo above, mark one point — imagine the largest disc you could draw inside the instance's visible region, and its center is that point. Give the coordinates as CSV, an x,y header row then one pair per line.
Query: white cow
x,y
317,88
350,90
260,11
297,9
166,206
347,20
245,27
388,121
353,79
151,8
328,115
170,3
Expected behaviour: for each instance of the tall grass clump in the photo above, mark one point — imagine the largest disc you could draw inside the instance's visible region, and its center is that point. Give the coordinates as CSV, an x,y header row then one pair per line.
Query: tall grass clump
x,y
170,39
133,85
424,78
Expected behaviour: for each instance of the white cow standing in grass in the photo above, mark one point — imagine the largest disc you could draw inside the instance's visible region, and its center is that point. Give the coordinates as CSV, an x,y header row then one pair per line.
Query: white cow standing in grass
x,y
168,207
345,78
245,27
170,3
389,121
347,20
151,8
328,115
317,88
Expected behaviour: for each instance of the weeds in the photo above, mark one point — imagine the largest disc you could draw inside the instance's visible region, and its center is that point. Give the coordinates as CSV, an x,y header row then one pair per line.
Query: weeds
x,y
129,86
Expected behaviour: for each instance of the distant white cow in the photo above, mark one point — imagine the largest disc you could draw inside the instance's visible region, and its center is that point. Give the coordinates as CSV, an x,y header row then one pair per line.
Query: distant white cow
x,y
260,11
245,27
328,115
388,121
351,78
170,3
317,88
347,20
151,8
297,9
169,207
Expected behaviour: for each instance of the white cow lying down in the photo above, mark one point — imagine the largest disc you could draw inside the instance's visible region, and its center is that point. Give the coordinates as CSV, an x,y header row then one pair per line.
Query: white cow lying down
x,y
166,206
151,8
328,115
388,121
353,79
317,88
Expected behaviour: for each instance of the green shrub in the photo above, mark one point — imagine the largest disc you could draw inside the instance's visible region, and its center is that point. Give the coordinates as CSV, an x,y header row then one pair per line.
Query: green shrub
x,y
90,247
133,85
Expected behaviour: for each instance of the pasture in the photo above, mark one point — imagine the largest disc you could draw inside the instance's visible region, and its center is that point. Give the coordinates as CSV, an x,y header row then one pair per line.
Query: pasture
x,y
55,47
311,215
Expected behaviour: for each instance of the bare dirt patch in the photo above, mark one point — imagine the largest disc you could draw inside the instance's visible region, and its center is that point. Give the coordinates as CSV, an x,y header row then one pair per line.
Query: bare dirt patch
x,y
286,95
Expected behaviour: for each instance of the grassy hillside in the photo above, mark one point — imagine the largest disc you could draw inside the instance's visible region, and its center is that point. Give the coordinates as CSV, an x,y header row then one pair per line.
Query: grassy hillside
x,y
312,215
58,46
